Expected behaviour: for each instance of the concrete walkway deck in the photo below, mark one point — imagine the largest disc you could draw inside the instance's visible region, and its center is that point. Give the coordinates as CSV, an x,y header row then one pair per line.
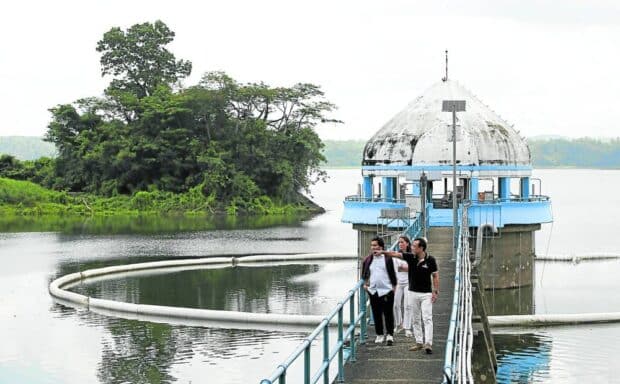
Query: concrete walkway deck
x,y
396,364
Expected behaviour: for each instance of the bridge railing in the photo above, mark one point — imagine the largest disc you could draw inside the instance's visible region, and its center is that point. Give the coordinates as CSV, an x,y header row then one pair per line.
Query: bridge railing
x,y
512,199
339,350
374,199
415,229
457,361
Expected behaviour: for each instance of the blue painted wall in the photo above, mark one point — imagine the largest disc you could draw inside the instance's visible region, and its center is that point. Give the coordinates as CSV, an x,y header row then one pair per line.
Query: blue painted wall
x,y
499,214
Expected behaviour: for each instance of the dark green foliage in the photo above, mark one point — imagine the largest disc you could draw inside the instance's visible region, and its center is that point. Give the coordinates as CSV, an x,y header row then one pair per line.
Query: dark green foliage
x,y
139,60
40,171
231,142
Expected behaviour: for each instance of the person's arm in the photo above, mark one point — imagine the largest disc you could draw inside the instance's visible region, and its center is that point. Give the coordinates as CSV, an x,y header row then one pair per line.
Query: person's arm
x,y
391,254
435,276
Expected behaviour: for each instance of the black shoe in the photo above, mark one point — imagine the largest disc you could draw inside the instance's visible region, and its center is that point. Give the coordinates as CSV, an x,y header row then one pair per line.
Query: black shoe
x,y
428,349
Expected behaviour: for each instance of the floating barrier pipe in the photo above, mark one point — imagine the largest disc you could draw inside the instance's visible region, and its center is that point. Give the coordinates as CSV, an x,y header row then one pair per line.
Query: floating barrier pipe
x,y
553,319
57,290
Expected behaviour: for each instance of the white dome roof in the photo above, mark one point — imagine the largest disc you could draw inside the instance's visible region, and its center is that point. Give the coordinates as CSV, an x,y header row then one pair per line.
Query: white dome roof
x,y
422,134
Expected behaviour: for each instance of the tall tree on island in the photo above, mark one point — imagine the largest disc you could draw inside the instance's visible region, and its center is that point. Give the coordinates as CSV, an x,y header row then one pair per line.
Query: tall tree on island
x,y
237,142
139,60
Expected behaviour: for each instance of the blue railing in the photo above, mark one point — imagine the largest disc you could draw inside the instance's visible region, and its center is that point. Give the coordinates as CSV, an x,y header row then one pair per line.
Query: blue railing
x,y
342,352
451,341
373,199
457,360
415,229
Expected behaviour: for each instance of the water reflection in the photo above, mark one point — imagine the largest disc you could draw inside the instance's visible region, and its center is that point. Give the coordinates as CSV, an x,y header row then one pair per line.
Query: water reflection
x,y
139,351
37,336
522,358
258,289
145,352
111,225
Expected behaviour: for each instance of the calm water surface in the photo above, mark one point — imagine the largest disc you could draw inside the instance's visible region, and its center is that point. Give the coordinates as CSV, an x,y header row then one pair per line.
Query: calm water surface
x,y
585,217
44,342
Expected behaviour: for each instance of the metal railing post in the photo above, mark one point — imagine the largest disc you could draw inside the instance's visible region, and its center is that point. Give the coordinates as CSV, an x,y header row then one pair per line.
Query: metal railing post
x,y
326,353
352,321
340,351
329,352
363,322
307,364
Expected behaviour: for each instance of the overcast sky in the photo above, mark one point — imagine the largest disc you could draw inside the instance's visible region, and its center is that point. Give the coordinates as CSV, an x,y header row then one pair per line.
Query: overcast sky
x,y
548,67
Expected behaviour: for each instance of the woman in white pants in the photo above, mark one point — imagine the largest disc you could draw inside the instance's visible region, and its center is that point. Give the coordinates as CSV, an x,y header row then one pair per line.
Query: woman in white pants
x,y
402,307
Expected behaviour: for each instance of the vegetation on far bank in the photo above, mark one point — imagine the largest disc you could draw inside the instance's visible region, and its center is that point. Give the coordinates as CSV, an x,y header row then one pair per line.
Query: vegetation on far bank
x,y
23,198
549,153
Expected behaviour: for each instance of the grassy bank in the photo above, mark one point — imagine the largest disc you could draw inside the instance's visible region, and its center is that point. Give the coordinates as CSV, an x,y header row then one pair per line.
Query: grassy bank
x,y
23,198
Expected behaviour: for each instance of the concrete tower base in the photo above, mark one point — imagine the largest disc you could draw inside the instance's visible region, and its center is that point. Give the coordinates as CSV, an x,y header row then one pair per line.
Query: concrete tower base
x,y
507,269
507,258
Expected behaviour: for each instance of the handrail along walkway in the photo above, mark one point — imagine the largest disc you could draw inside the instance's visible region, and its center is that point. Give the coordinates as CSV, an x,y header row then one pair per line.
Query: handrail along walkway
x,y
339,349
459,343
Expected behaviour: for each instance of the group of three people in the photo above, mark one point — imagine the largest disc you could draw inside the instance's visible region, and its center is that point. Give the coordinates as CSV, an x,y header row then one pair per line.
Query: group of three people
x,y
379,271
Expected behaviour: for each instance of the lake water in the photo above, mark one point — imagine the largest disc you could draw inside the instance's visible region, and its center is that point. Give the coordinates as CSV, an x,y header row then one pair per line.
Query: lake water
x,y
44,342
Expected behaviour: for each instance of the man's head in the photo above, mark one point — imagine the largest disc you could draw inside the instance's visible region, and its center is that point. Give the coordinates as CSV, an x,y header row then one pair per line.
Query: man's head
x,y
377,244
418,245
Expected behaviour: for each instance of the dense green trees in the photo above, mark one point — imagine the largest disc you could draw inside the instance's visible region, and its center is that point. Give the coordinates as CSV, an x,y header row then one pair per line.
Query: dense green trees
x,y
236,142
139,60
40,171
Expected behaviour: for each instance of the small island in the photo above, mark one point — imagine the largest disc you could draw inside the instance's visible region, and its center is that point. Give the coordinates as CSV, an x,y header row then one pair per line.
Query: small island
x,y
151,145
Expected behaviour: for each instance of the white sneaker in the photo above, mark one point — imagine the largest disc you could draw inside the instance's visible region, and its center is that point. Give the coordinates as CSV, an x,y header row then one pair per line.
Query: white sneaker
x,y
390,340
380,339
398,330
408,333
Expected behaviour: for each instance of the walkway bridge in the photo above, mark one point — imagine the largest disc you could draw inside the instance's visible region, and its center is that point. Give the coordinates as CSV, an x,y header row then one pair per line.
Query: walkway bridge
x,y
396,364
453,328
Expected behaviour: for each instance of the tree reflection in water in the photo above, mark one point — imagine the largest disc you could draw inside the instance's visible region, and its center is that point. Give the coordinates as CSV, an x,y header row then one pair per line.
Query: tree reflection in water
x,y
266,289
144,352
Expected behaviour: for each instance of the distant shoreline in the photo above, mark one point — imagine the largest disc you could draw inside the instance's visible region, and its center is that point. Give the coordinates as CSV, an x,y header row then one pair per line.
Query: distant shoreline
x,y
534,168
547,153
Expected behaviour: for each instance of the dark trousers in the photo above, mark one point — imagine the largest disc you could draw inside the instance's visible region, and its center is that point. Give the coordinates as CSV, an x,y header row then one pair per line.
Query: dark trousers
x,y
383,306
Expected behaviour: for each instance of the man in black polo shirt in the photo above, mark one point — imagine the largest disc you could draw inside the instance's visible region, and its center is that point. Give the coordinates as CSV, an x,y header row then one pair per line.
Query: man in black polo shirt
x,y
423,291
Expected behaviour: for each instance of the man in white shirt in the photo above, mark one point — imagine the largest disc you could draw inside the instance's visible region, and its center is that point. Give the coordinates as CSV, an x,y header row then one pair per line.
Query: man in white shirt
x,y
380,282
